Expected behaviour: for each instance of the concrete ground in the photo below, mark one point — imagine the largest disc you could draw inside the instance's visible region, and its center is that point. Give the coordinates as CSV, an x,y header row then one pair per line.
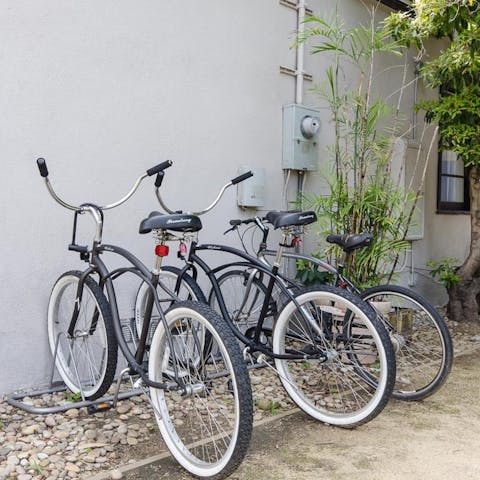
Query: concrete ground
x,y
438,438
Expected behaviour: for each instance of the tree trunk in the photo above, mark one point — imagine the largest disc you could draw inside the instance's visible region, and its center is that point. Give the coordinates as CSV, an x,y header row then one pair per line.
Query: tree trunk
x,y
464,297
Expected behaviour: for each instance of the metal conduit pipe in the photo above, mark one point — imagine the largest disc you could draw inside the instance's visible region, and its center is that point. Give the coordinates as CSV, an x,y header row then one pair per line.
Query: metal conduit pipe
x,y
300,51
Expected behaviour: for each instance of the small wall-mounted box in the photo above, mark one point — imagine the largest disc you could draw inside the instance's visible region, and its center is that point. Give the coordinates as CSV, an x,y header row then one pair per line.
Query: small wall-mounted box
x,y
251,192
300,132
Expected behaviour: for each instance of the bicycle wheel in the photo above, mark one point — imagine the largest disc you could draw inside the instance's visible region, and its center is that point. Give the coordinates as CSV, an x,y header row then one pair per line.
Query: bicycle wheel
x,y
87,360
244,310
345,367
208,427
422,342
188,290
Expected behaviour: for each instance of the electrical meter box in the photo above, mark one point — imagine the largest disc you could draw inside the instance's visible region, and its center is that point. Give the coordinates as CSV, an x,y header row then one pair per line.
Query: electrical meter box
x,y
251,192
300,133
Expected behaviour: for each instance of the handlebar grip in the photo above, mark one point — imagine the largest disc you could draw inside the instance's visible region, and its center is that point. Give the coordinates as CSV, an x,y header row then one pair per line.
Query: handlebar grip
x,y
235,222
242,177
159,168
42,167
159,179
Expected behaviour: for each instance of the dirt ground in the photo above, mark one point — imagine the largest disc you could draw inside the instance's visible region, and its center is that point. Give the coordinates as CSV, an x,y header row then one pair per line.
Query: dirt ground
x,y
438,438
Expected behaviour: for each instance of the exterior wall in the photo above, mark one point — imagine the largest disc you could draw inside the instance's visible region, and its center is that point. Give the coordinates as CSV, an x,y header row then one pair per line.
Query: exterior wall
x,y
105,90
446,235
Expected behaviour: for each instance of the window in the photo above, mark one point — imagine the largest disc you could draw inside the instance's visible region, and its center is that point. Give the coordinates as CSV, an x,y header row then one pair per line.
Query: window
x,y
452,193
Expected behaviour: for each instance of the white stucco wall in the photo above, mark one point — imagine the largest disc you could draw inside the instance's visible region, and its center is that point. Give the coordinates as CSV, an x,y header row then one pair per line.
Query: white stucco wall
x,y
104,90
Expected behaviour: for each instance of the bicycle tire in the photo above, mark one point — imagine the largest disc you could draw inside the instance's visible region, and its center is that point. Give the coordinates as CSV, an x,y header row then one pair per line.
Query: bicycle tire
x,y
189,290
93,348
424,349
223,395
337,391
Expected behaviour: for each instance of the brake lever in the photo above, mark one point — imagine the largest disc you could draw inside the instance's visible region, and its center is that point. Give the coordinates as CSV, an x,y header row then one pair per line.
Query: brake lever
x,y
230,229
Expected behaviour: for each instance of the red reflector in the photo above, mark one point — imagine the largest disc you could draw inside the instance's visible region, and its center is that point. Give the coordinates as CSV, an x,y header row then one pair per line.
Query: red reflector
x,y
161,250
343,285
296,241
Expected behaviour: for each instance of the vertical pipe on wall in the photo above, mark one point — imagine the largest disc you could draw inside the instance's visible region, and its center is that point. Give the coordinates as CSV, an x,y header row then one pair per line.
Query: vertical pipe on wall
x,y
299,93
300,52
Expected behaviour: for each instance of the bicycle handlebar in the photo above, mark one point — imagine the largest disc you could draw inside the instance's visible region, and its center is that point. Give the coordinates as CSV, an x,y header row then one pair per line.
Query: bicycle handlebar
x,y
159,179
234,181
159,168
42,167
242,177
235,222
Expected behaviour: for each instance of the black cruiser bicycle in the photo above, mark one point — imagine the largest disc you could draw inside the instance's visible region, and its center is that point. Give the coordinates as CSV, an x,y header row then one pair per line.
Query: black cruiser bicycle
x,y
332,355
195,378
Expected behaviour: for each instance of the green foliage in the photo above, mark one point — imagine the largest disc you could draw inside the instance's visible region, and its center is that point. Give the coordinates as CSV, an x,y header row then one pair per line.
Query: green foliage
x,y
364,196
74,397
153,428
35,468
456,70
445,271
274,407
459,116
309,274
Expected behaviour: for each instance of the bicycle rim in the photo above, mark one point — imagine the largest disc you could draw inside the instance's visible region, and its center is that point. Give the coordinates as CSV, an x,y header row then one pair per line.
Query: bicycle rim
x,y
208,429
87,360
420,337
333,382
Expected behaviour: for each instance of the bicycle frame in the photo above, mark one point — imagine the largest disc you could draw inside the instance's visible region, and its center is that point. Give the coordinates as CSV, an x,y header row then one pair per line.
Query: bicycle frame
x,y
274,279
97,266
250,261
263,252
340,279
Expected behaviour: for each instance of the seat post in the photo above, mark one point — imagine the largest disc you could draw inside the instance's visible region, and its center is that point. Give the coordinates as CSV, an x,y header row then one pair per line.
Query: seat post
x,y
278,258
342,261
161,250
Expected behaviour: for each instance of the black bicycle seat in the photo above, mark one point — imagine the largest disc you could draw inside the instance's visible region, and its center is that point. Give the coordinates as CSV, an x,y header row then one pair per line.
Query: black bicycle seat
x,y
177,222
290,218
349,243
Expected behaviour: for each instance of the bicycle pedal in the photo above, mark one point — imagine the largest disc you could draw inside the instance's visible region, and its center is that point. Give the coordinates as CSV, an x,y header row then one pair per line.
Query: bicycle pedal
x,y
100,407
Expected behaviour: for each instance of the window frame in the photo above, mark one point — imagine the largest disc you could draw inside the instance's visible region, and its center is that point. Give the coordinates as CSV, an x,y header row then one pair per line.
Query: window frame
x,y
398,5
452,207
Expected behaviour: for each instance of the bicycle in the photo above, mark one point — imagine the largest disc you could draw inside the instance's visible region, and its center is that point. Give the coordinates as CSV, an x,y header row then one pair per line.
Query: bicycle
x,y
420,336
198,384
314,341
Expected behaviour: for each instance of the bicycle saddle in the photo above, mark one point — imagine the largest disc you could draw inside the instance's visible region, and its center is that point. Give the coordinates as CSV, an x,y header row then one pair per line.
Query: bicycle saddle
x,y
349,243
178,222
290,218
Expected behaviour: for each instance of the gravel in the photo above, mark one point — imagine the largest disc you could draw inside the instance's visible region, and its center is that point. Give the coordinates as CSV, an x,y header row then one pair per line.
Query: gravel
x,y
76,445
